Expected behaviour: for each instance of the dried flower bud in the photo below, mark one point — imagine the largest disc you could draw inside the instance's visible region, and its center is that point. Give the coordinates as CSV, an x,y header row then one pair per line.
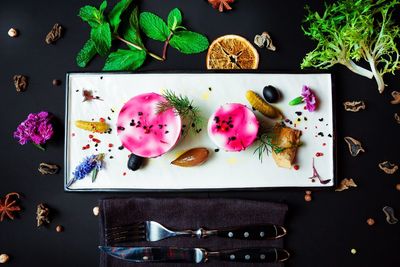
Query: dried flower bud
x,y
59,228
370,221
4,258
54,34
96,211
307,198
20,82
13,32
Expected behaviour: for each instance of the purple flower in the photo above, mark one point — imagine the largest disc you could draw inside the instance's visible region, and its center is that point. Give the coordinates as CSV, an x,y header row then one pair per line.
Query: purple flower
x,y
36,129
309,97
87,166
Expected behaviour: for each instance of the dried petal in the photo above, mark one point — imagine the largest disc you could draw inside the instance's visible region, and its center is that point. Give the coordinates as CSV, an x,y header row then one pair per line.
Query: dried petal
x,y
192,157
346,184
42,215
20,82
46,168
389,213
396,98
388,167
354,146
397,118
354,106
54,34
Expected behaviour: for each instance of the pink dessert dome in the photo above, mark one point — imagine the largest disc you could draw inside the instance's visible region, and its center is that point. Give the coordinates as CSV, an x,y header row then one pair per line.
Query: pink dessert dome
x,y
233,127
145,132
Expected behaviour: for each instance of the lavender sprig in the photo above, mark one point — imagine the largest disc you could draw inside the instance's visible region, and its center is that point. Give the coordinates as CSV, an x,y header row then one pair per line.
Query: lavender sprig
x,y
92,164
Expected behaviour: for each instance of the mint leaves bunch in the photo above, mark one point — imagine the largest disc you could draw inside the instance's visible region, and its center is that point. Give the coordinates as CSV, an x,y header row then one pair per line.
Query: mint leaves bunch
x,y
106,28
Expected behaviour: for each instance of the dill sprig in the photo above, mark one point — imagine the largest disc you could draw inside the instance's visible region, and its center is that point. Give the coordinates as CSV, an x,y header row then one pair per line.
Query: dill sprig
x,y
184,108
266,146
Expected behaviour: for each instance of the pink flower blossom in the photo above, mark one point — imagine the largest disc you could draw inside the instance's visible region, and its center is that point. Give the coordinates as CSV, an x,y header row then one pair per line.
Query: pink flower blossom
x,y
309,98
36,129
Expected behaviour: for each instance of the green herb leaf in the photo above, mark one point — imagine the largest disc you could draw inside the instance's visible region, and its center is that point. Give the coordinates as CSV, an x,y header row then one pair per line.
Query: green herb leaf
x,y
94,174
174,19
125,60
116,12
91,15
101,37
86,54
103,7
189,42
132,34
153,26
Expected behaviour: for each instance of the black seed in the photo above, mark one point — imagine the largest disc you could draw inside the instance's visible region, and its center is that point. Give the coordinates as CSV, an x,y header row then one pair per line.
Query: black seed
x,y
216,150
218,127
230,126
145,127
109,118
209,89
101,77
321,134
193,125
190,107
121,147
109,150
329,135
305,118
111,157
121,128
77,91
96,145
298,113
166,132
112,111
321,119
216,119
298,119
140,113
160,126
151,126
253,108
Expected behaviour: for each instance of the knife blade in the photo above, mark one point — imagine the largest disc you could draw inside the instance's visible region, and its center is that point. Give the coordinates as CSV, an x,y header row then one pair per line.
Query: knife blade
x,y
195,255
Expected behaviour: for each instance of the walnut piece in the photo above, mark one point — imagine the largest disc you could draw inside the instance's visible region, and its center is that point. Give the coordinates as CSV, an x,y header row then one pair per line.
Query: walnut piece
x,y
264,40
345,184
354,106
54,34
396,98
20,82
42,215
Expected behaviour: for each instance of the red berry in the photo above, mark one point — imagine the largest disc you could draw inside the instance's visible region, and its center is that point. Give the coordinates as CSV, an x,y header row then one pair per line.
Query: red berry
x,y
110,145
90,136
296,167
102,120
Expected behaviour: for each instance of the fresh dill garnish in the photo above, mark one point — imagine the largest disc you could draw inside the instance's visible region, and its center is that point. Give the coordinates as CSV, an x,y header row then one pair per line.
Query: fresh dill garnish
x,y
265,145
183,107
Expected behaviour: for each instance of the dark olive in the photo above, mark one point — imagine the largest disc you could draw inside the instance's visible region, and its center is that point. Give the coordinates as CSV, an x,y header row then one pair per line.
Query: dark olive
x,y
134,162
271,94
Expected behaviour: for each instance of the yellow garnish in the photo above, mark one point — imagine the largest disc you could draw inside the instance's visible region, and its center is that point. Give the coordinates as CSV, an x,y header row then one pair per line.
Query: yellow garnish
x,y
92,126
259,104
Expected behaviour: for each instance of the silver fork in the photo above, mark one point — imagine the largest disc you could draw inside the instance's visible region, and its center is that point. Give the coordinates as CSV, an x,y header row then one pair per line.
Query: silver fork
x,y
154,231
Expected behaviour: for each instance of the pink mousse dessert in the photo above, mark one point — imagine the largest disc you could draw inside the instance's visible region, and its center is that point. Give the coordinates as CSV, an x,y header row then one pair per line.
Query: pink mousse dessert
x,y
144,132
233,127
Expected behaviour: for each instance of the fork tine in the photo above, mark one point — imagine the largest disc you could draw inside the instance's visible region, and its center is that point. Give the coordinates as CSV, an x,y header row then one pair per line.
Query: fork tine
x,y
126,233
138,225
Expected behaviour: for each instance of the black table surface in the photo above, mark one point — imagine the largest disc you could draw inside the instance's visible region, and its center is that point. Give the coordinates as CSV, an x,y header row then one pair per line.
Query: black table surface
x,y
321,232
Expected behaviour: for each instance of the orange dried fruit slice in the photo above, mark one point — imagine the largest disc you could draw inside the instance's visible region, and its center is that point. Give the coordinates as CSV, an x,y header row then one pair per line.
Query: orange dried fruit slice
x,y
232,52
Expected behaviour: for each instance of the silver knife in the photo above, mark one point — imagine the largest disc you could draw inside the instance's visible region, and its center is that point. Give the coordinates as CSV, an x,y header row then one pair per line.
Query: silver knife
x,y
195,255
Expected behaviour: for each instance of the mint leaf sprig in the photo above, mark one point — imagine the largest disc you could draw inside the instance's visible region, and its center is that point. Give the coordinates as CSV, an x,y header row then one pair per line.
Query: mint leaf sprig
x,y
107,28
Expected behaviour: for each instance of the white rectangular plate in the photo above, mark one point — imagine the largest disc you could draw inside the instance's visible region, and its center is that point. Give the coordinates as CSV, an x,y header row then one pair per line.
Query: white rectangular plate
x,y
223,170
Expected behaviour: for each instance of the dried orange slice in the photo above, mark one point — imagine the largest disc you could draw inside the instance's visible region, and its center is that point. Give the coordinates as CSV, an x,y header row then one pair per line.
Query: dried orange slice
x,y
232,52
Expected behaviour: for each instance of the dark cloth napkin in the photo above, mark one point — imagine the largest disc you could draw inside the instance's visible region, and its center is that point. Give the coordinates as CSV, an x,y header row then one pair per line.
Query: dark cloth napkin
x,y
185,213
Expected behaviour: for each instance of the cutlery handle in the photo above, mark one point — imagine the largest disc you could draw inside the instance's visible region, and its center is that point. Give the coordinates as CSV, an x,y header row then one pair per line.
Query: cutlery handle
x,y
253,255
253,232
